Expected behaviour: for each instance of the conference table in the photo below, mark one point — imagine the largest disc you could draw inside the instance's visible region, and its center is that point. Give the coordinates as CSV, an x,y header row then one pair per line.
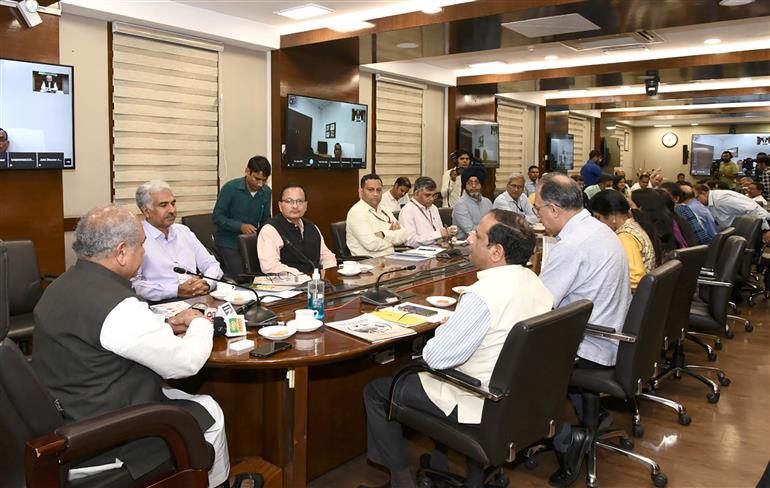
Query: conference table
x,y
299,413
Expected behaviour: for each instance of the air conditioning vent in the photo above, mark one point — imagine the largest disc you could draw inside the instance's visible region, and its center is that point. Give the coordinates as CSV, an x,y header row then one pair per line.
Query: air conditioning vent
x,y
615,41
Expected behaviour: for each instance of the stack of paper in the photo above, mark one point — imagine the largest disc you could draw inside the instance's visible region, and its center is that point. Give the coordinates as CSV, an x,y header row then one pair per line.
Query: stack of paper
x,y
370,328
422,253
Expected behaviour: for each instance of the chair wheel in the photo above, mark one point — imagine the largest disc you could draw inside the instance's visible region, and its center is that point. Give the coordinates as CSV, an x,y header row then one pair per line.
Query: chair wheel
x,y
501,480
627,444
712,397
423,481
685,419
748,327
729,334
659,480
637,430
712,356
723,380
718,345
531,462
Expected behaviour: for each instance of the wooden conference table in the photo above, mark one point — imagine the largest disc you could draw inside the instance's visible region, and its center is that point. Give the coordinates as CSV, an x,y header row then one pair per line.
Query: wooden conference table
x,y
300,413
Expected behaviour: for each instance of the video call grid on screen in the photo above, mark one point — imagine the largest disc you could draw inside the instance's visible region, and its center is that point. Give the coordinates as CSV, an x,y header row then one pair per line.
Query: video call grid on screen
x,y
36,111
324,133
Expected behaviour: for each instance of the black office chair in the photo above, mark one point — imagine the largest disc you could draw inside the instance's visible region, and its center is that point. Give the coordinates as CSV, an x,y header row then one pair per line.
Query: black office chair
x,y
534,364
715,249
247,246
638,352
339,233
446,216
37,448
24,273
202,225
677,323
750,228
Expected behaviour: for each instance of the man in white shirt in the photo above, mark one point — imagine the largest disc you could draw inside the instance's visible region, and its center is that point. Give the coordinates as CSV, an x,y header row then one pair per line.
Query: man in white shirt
x,y
514,199
99,348
398,196
170,245
421,218
533,173
370,229
726,205
451,188
470,341
49,85
755,191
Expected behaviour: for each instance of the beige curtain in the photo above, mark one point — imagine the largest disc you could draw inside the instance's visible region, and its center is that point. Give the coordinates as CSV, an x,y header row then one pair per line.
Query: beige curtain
x,y
398,150
516,138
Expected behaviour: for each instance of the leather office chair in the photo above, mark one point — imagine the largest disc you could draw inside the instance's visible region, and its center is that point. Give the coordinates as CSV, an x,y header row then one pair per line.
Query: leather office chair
x,y
692,259
750,228
247,246
202,225
446,216
638,352
339,233
709,309
36,447
534,363
715,249
24,273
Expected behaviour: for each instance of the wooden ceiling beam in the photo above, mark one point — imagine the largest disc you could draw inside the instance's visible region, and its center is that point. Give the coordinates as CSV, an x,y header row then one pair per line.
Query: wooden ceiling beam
x,y
706,111
686,95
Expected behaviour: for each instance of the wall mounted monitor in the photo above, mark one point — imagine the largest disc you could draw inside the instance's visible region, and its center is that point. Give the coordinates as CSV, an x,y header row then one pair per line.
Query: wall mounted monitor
x,y
561,152
324,133
707,148
36,112
482,139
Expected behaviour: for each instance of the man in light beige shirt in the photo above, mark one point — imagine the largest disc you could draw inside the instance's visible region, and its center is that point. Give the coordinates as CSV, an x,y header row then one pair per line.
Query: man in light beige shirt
x,y
371,229
306,249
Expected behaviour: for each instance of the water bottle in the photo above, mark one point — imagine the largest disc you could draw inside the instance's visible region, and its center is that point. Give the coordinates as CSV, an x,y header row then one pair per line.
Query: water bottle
x,y
315,295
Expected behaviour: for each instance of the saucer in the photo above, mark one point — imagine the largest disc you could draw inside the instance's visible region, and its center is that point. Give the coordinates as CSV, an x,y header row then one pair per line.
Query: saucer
x,y
315,325
439,301
277,332
366,268
220,294
459,289
343,272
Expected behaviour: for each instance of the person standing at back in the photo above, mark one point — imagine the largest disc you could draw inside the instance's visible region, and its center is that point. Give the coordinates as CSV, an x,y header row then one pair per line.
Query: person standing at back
x,y
451,187
728,169
243,207
592,170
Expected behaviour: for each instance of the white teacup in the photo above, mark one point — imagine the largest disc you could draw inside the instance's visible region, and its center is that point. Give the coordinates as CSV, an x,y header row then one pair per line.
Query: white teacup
x,y
305,317
225,287
351,266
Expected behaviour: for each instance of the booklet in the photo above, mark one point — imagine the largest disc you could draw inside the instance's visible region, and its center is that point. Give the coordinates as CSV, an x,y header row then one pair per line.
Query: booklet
x,y
422,253
370,328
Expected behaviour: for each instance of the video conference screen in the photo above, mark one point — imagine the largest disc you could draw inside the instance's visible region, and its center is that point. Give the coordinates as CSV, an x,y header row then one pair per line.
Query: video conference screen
x,y
562,150
36,116
325,133
482,139
706,148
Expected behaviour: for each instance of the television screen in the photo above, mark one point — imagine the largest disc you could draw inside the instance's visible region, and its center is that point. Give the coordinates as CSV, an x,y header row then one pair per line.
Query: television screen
x,y
325,133
36,113
482,139
561,151
706,148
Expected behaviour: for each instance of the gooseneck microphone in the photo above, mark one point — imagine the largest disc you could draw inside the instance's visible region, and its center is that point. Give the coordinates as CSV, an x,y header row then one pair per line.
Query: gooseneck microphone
x,y
383,296
303,256
255,314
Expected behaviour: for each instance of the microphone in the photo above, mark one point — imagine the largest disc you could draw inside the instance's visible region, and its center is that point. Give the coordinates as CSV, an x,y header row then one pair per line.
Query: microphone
x,y
383,296
255,315
313,265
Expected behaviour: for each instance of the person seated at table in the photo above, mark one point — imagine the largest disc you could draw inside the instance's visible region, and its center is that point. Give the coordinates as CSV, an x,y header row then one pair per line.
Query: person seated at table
x,y
370,229
634,229
306,249
514,199
394,199
472,205
587,262
169,245
99,348
755,191
470,341
604,182
421,218
644,182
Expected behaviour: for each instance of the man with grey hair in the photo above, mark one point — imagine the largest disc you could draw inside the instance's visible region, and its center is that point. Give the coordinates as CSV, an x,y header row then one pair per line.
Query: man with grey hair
x,y
587,262
514,199
170,245
421,218
99,348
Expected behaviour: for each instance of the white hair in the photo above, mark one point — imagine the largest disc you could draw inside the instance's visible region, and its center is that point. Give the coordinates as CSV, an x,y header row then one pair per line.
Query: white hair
x,y
102,229
145,191
515,176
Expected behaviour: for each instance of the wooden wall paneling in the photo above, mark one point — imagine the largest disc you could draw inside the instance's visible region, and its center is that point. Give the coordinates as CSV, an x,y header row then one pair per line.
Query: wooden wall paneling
x,y
542,140
328,70
32,202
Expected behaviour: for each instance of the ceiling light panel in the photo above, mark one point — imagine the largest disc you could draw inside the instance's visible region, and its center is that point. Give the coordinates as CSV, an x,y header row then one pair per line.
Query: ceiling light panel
x,y
351,25
303,12
551,26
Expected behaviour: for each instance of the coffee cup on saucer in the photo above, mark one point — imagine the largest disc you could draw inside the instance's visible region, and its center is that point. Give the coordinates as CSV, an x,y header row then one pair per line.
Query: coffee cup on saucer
x,y
305,318
225,288
351,267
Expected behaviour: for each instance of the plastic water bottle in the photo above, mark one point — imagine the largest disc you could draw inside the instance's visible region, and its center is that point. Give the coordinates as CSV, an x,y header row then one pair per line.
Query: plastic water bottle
x,y
315,295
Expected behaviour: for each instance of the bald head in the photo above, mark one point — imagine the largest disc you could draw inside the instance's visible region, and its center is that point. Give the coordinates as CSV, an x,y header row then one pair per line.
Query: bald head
x,y
561,190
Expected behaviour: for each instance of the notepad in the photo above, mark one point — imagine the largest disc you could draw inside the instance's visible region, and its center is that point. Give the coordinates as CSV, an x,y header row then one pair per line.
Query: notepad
x,y
400,318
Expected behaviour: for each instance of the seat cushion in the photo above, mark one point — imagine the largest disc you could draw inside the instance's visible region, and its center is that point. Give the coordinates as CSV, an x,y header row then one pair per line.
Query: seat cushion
x,y
597,381
22,326
700,318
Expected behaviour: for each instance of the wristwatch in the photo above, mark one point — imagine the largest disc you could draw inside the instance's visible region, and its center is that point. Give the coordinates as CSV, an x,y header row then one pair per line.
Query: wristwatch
x,y
200,306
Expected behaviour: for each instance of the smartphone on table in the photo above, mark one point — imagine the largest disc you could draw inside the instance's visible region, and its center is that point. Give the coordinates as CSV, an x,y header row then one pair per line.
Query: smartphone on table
x,y
425,312
267,350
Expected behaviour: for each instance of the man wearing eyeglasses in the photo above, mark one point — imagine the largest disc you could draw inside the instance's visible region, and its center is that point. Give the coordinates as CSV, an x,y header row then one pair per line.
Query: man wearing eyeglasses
x,y
370,229
513,199
306,249
421,217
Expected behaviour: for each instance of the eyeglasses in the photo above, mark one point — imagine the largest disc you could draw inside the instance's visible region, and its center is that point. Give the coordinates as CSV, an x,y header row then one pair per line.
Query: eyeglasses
x,y
292,202
538,209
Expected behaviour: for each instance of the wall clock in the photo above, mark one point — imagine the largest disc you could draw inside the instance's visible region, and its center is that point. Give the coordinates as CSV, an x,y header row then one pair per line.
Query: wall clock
x,y
669,139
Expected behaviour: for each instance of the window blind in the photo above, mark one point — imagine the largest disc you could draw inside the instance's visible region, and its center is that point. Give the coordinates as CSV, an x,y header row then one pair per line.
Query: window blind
x,y
165,114
513,120
580,128
398,134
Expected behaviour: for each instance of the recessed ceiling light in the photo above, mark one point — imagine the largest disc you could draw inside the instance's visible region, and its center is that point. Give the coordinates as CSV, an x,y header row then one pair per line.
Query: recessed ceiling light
x,y
661,126
734,3
407,45
488,65
350,26
713,40
431,10
694,124
610,127
304,11
551,57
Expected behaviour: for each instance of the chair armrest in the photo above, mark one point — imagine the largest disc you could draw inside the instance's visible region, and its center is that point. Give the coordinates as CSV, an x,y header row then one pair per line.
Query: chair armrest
x,y
594,330
722,284
707,272
340,260
49,278
78,440
451,376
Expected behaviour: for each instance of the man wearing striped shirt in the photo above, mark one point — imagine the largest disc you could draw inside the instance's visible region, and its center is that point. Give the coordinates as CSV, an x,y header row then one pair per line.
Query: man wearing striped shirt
x,y
470,341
